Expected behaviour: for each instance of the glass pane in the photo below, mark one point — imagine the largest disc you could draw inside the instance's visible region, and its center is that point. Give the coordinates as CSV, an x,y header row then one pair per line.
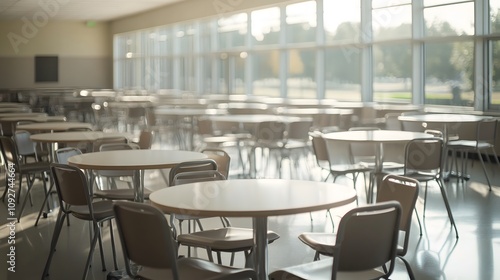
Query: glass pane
x,y
232,31
450,20
266,69
342,21
266,26
495,73
343,74
439,2
301,80
494,16
185,38
392,22
301,22
392,72
388,3
449,73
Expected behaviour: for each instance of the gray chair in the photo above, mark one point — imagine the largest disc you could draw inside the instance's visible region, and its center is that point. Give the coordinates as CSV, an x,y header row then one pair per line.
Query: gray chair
x,y
366,240
485,138
74,198
157,255
424,162
29,170
393,187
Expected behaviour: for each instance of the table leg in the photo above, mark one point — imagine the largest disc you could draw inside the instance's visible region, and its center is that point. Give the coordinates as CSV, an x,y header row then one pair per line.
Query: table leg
x,y
139,185
260,249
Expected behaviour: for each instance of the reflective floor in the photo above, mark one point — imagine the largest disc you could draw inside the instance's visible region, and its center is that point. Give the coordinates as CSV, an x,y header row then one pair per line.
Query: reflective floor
x,y
437,254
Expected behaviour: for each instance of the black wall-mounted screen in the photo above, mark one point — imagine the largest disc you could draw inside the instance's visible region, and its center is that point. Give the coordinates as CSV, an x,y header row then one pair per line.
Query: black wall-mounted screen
x,y
46,69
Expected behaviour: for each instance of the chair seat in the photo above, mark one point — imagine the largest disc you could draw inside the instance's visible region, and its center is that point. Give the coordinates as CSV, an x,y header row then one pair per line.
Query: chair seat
x,y
349,168
322,269
223,239
120,194
319,241
468,144
102,210
194,268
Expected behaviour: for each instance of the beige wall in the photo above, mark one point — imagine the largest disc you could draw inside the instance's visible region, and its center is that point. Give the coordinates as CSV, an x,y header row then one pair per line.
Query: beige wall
x,y
185,10
85,53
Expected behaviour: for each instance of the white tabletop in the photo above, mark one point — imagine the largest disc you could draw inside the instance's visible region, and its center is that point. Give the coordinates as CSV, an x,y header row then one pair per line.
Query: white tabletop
x,y
443,118
36,118
189,112
53,126
133,159
252,197
312,111
77,136
257,118
378,136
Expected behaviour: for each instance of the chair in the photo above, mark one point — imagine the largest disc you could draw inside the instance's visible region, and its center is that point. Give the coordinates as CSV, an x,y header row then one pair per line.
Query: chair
x,y
297,144
424,162
392,122
356,255
320,152
222,159
157,254
111,175
484,140
28,149
145,140
341,163
225,239
393,187
61,156
74,198
14,164
268,136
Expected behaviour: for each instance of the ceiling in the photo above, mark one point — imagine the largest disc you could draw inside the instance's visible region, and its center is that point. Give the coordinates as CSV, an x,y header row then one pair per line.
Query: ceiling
x,y
86,10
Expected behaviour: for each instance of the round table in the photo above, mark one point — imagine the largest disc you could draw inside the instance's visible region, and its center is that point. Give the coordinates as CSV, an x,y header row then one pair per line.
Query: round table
x,y
54,126
137,160
445,120
379,137
255,198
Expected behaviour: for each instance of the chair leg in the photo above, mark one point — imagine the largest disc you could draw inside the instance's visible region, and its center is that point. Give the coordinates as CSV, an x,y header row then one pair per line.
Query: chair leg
x,y
419,223
447,205
91,252
484,170
53,243
30,185
47,194
408,268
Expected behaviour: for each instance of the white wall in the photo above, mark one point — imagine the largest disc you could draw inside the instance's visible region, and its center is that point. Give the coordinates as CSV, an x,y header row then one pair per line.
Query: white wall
x,y
85,53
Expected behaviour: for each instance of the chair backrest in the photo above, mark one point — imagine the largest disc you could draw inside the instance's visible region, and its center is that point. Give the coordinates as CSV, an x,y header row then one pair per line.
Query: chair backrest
x,y
486,131
198,165
118,146
196,176
25,147
319,146
405,191
269,132
299,130
96,145
392,122
158,250
145,139
9,151
424,154
222,159
71,185
338,152
363,151
63,154
357,251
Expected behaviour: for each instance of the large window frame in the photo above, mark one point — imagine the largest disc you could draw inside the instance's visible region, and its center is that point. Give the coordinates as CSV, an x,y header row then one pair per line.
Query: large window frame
x,y
155,59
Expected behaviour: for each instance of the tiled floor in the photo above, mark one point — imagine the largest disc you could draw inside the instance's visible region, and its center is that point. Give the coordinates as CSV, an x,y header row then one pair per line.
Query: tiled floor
x,y
437,254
